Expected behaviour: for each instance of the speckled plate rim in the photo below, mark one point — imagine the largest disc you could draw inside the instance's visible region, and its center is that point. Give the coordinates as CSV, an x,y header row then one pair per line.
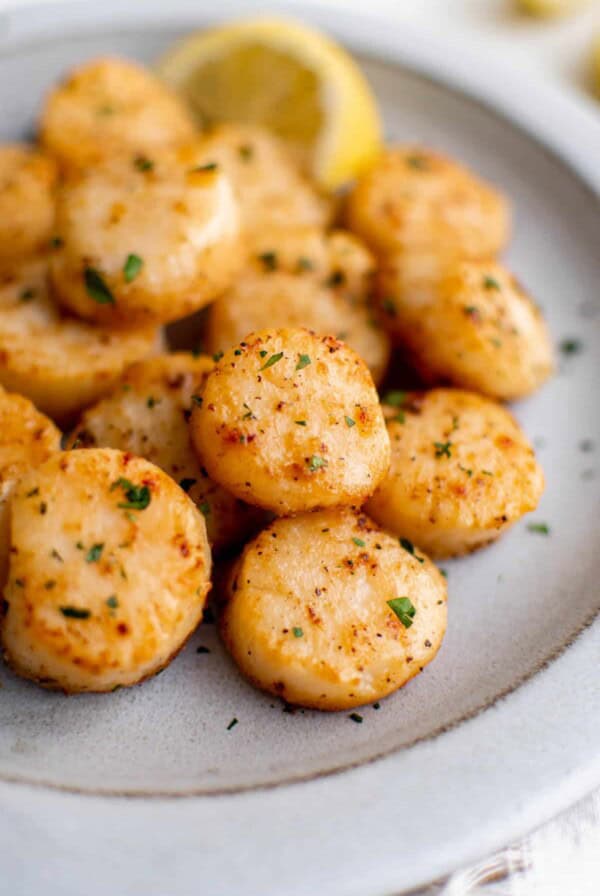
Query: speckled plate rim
x,y
464,792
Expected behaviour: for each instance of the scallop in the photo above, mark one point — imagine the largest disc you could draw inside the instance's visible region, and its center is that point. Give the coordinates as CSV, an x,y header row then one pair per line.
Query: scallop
x,y
60,363
291,421
108,107
416,200
356,619
143,245
462,472
109,572
472,325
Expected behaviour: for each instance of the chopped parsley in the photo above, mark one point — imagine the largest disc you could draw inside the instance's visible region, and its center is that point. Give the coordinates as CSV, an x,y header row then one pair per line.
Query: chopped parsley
x,y
94,553
57,242
298,632
490,283
316,462
443,449
197,400
232,724
248,415
137,496
133,265
269,260
50,584
303,361
305,264
539,528
571,346
204,508
246,152
358,542
217,356
395,398
202,649
97,288
356,717
410,548
272,360
300,422
404,610
419,163
26,295
75,612
350,422
210,166
143,163
337,278
112,602
389,307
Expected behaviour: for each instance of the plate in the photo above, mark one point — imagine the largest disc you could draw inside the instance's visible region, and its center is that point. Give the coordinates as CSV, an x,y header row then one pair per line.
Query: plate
x,y
151,789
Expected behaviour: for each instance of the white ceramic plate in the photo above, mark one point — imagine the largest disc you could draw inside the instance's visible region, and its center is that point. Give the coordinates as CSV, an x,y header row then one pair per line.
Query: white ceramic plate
x,y
147,790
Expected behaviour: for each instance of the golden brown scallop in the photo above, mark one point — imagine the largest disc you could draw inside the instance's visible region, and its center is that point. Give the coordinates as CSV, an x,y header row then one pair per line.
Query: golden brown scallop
x,y
108,107
472,325
462,472
328,611
62,364
416,200
109,571
291,421
144,245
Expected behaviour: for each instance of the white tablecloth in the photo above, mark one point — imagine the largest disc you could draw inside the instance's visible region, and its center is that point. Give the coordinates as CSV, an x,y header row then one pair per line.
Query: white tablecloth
x,y
563,857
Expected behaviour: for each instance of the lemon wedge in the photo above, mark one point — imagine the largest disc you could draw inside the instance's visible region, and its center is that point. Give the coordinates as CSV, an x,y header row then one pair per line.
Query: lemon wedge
x,y
289,78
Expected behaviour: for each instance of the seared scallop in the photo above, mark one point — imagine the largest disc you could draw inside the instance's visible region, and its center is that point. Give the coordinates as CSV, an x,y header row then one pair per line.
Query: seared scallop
x,y
462,472
108,107
415,200
291,421
60,363
272,193
472,325
27,182
142,244
328,611
304,279
146,414
109,571
27,439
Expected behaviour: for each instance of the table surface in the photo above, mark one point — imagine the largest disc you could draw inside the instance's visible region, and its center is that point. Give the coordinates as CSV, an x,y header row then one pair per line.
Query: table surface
x,y
563,857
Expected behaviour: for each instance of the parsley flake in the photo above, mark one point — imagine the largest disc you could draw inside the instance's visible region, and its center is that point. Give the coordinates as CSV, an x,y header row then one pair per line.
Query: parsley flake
x,y
404,610
204,508
186,484
395,398
358,542
246,152
571,346
96,287
298,632
300,422
232,724
303,361
389,307
356,717
443,449
143,163
539,528
269,260
410,548
316,462
75,612
137,496
112,602
350,422
133,265
490,283
210,166
272,360
94,553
